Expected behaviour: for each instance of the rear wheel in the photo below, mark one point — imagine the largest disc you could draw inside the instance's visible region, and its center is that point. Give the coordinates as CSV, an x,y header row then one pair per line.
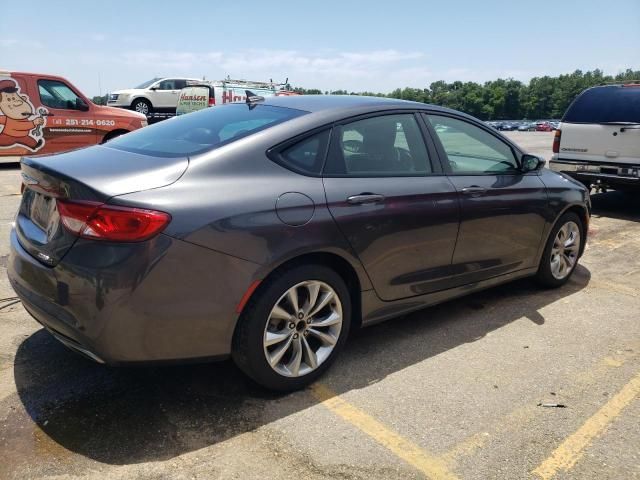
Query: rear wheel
x,y
112,135
141,105
562,251
293,328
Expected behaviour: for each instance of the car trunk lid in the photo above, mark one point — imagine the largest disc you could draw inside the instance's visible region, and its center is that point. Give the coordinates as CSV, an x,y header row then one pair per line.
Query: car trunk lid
x,y
95,175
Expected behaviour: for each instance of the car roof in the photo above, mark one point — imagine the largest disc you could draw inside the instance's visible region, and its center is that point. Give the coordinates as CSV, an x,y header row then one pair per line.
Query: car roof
x,y
318,103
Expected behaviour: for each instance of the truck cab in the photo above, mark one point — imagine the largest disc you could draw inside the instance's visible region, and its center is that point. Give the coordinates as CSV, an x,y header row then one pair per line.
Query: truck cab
x,y
44,114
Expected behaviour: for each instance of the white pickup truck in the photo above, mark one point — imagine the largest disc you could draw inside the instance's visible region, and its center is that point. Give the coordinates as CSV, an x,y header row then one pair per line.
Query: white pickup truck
x,y
598,140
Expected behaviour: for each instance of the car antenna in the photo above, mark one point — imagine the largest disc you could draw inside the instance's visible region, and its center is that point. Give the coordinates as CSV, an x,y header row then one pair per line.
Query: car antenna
x,y
252,98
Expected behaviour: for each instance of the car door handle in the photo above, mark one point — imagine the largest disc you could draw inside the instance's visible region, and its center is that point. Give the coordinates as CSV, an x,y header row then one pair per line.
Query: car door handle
x,y
365,198
474,190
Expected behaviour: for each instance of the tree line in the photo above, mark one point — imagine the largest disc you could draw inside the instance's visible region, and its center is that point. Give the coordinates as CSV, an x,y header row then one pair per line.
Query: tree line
x,y
541,98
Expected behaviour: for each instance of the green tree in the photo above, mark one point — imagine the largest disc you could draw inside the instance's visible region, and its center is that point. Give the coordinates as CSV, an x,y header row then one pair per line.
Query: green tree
x,y
542,98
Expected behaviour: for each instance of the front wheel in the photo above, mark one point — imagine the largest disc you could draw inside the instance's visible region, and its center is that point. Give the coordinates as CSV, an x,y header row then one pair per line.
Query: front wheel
x,y
562,251
142,106
293,329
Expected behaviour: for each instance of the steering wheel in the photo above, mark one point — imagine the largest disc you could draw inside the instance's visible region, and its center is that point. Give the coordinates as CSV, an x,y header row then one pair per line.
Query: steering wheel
x,y
352,146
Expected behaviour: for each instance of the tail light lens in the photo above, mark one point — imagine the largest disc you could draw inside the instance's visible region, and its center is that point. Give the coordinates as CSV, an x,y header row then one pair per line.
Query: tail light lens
x,y
99,221
212,101
556,141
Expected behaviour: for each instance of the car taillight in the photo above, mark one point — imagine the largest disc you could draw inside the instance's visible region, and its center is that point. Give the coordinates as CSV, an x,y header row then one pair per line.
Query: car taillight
x,y
99,221
556,141
212,101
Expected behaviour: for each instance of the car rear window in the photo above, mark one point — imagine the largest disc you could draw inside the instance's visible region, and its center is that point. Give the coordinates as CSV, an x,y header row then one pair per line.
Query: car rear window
x,y
605,105
204,130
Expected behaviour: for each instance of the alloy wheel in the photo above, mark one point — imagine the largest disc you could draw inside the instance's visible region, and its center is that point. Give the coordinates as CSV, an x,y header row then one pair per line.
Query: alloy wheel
x,y
303,328
565,250
142,107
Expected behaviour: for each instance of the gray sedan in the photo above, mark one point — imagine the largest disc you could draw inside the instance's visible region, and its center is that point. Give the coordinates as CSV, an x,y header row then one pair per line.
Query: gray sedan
x,y
267,231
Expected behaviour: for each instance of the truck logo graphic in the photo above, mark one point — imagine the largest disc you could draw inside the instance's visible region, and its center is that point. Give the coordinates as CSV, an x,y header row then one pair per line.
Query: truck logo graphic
x,y
21,125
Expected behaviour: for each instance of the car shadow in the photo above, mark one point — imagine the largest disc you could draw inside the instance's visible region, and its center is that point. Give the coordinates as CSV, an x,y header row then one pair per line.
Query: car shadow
x,y
622,205
130,415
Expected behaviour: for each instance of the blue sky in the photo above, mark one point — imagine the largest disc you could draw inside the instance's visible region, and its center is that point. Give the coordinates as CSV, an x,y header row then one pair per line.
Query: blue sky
x,y
354,45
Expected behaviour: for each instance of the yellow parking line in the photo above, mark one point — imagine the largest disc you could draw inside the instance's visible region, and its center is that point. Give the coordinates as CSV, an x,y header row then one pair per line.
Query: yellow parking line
x,y
569,452
431,466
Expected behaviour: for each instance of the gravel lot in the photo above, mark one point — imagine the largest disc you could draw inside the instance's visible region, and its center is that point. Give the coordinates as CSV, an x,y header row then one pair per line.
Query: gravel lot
x,y
448,392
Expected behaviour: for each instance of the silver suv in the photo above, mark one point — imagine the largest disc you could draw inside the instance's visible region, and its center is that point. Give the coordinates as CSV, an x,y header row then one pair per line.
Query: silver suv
x,y
598,140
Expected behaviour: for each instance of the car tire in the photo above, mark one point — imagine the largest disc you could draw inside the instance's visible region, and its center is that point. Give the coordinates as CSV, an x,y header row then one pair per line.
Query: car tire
x,y
562,251
112,135
262,322
141,105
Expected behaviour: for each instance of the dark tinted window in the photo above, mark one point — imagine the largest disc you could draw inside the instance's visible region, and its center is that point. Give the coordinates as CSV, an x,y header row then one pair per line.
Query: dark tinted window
x,y
55,94
605,104
179,84
204,130
384,146
306,156
167,84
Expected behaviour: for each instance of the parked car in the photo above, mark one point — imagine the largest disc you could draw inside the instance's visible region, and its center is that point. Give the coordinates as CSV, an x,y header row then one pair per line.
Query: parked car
x,y
507,127
598,140
42,114
269,230
543,127
527,127
155,95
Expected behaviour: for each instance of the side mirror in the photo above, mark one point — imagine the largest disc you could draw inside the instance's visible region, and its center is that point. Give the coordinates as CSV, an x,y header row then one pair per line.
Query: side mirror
x,y
155,87
531,163
80,105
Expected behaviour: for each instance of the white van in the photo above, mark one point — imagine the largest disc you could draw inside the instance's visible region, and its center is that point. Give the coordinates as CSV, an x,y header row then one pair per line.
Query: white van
x,y
598,140
208,94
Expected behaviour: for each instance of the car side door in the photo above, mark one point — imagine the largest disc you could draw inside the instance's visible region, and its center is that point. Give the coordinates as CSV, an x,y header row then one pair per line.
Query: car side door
x,y
166,93
70,117
389,197
503,210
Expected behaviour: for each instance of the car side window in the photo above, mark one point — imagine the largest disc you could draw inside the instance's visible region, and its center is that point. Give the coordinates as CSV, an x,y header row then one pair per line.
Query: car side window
x,y
167,85
179,84
56,94
472,150
382,146
307,155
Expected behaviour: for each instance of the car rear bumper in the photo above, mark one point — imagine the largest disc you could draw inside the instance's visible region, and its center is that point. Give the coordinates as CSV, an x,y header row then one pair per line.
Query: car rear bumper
x,y
627,175
161,300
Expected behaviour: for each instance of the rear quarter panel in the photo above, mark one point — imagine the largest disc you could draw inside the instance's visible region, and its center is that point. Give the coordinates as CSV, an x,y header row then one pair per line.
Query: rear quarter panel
x,y
226,201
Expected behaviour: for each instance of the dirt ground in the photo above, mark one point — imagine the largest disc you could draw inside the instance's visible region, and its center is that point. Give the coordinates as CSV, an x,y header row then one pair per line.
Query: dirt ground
x,y
453,391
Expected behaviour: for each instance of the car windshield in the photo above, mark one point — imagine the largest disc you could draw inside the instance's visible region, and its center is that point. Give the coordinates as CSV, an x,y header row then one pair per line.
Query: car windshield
x,y
606,105
148,82
204,130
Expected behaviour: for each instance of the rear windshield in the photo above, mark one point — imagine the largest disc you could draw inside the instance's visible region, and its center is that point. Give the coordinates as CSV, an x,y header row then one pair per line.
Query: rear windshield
x,y
605,105
204,130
